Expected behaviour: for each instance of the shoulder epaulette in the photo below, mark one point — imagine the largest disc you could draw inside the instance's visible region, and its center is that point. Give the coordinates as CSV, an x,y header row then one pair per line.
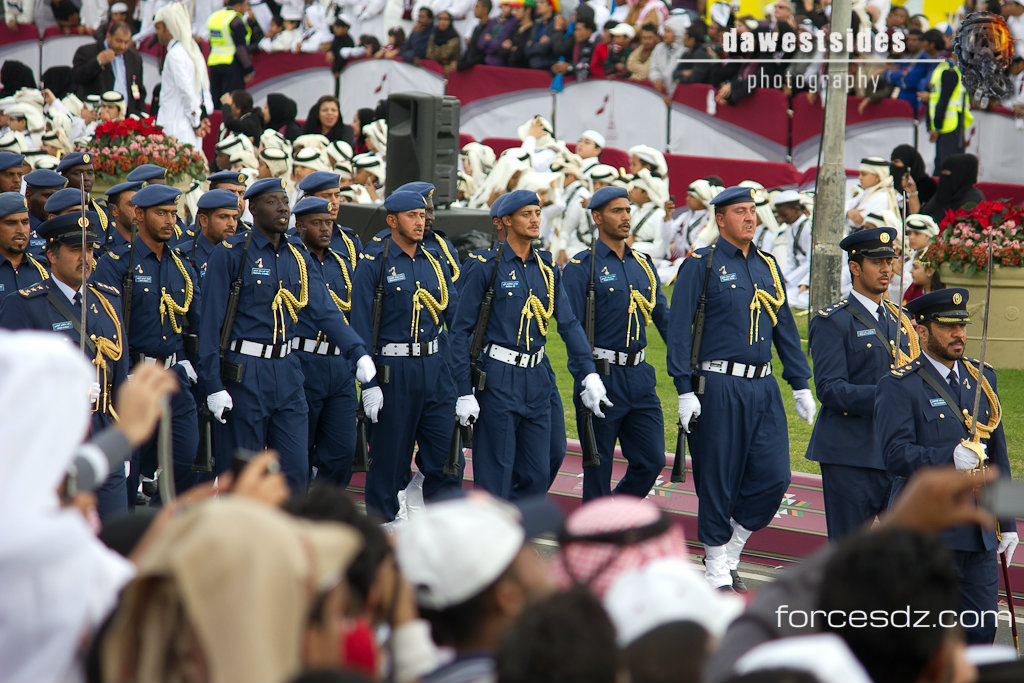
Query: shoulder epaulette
x,y
974,362
34,290
645,255
829,310
574,260
696,255
112,255
109,289
366,256
908,369
546,256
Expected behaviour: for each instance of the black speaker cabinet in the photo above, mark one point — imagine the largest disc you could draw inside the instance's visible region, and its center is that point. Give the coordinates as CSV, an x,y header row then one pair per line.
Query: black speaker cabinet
x,y
423,143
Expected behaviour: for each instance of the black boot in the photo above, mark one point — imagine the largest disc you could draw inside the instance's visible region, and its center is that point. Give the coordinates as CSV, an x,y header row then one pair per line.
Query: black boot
x,y
737,581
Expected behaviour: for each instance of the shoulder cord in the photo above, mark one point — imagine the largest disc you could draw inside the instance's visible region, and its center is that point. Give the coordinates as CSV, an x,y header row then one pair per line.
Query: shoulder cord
x,y
422,298
106,349
285,300
913,342
452,262
534,307
762,298
343,305
39,266
168,306
350,246
984,430
638,301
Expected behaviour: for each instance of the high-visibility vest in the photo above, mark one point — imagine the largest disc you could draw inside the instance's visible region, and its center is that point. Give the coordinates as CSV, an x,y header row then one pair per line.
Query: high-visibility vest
x,y
958,101
222,45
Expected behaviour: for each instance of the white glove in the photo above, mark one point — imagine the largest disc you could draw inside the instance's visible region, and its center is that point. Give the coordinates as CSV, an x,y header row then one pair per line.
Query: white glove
x,y
594,395
94,394
467,410
1007,544
689,409
220,404
190,372
373,401
805,406
365,370
966,459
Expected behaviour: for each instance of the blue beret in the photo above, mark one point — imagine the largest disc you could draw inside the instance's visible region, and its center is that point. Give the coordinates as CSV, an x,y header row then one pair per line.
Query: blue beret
x,y
9,159
232,177
318,181
518,199
496,206
733,195
63,199
147,172
73,159
155,195
871,243
67,230
45,178
419,187
311,205
12,202
218,199
605,195
947,306
404,201
265,185
132,186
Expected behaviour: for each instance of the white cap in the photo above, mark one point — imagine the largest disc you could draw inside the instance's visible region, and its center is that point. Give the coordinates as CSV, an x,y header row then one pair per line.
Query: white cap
x,y
291,13
720,13
824,655
922,223
623,29
665,591
119,8
455,549
593,136
787,197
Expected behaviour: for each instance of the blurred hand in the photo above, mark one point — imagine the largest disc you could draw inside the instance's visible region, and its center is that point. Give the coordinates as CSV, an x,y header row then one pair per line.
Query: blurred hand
x,y
937,498
933,136
105,57
48,96
226,99
138,401
262,480
249,78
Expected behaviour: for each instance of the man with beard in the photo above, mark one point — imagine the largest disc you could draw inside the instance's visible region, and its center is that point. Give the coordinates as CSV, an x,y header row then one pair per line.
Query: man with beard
x,y
255,385
18,269
327,186
78,169
216,220
853,344
922,418
741,446
39,186
11,167
628,298
122,216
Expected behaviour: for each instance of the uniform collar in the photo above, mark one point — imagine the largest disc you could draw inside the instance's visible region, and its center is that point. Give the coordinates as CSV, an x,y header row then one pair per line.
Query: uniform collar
x,y
67,291
869,305
603,250
942,369
262,242
729,249
508,254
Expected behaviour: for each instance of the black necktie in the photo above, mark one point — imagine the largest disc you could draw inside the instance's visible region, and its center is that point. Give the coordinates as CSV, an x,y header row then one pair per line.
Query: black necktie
x,y
78,301
954,383
883,320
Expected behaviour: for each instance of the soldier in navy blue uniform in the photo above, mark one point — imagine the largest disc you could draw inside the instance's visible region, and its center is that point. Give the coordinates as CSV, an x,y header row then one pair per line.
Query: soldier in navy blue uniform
x,y
78,169
512,436
233,182
628,298
56,304
324,185
216,220
922,418
853,345
419,395
262,401
433,239
330,383
39,186
10,171
63,201
151,174
18,268
165,292
122,216
740,446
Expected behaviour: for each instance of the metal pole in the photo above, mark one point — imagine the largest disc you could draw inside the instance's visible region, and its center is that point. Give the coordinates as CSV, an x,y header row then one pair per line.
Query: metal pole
x,y
830,187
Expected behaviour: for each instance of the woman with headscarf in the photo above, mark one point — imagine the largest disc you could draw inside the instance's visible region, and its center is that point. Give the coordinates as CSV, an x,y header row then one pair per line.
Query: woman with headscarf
x,y
956,186
279,115
185,84
444,43
874,195
666,54
324,118
908,175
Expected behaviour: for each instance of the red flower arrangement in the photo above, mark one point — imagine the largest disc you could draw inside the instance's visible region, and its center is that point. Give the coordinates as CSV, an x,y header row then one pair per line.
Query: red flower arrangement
x,y
119,146
963,238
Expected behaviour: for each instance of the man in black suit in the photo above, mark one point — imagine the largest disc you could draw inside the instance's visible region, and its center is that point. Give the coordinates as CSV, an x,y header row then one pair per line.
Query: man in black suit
x,y
110,65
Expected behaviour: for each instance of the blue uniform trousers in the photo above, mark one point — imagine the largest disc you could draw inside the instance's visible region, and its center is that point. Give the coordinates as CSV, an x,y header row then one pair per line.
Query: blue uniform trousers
x,y
979,585
558,442
330,390
512,439
853,497
270,412
635,420
419,409
184,441
110,496
740,452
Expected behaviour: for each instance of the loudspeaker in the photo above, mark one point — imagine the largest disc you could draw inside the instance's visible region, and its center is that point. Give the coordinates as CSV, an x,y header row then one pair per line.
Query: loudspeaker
x,y
423,143
468,229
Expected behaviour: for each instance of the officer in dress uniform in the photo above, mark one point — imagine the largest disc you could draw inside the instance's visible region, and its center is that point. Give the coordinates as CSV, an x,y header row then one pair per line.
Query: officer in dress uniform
x,y
853,345
511,439
325,185
233,182
922,418
122,215
56,304
260,381
40,186
18,268
10,171
419,394
330,383
628,298
740,446
78,169
216,220
64,201
165,292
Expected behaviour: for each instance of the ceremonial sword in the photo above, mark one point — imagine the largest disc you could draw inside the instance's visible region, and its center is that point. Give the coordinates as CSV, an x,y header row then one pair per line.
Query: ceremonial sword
x,y
83,223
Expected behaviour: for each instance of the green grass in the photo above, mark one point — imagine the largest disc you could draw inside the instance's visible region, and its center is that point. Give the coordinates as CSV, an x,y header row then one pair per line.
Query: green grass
x,y
1011,393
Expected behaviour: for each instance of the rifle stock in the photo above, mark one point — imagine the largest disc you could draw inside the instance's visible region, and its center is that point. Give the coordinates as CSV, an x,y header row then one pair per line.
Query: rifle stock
x,y
591,456
451,463
478,376
362,460
127,290
232,372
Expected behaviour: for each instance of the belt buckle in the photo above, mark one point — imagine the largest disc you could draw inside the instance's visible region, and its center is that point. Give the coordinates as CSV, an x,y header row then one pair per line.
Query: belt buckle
x,y
523,361
716,365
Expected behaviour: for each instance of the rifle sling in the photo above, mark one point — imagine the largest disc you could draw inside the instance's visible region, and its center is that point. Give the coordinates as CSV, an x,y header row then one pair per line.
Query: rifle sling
x,y
229,324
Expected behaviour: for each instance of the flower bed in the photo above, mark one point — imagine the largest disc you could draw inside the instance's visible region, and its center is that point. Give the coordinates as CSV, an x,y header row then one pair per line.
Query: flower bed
x,y
962,243
119,146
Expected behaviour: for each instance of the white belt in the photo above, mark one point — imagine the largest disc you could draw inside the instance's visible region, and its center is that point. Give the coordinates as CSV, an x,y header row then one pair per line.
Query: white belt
x,y
251,348
727,367
321,348
521,360
414,350
166,362
620,357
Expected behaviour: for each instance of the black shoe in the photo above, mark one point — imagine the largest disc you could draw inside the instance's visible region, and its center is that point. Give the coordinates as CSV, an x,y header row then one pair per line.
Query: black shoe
x,y
149,487
737,582
726,589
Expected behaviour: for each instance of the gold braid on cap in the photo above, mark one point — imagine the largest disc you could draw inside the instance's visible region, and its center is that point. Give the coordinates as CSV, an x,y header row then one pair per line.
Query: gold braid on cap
x,y
422,298
762,298
285,300
638,301
168,306
533,306
106,349
984,430
343,305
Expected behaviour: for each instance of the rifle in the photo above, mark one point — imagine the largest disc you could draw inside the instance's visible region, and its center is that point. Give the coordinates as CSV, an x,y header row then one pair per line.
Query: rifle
x,y
591,456
479,377
362,461
679,464
128,288
232,372
204,459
